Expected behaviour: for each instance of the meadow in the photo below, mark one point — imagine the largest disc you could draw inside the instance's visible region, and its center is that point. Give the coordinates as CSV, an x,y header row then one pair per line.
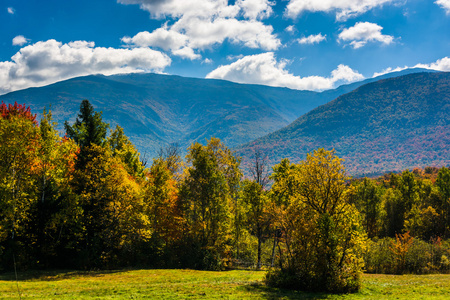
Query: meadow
x,y
191,284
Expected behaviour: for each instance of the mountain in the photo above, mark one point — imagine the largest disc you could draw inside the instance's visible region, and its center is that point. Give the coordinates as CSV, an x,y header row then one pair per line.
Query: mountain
x,y
156,110
389,125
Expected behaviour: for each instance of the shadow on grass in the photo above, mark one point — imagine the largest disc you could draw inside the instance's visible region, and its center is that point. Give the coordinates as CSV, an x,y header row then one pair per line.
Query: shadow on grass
x,y
53,275
265,292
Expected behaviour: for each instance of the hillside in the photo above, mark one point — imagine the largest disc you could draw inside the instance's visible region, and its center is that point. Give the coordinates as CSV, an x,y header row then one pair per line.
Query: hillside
x,y
155,110
389,125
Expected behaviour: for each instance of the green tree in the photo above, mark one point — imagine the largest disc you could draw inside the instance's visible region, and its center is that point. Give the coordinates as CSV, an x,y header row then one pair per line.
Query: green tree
x,y
114,217
443,186
19,141
164,208
324,239
122,147
88,129
207,193
55,211
367,199
255,201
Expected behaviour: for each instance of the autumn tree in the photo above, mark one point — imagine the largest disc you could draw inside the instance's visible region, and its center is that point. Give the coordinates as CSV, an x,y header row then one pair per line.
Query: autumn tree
x,y
19,140
164,208
114,217
207,193
121,146
55,212
323,229
256,217
255,201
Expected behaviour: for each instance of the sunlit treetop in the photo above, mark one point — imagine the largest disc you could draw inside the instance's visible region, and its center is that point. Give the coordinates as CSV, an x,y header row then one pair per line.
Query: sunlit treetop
x,y
7,111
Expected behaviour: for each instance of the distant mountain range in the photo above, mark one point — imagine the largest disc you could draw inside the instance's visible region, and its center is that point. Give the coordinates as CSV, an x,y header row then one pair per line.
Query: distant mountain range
x,y
156,110
389,125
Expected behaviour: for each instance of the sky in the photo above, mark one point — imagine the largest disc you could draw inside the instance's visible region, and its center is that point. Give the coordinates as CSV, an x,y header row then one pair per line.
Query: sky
x,y
299,44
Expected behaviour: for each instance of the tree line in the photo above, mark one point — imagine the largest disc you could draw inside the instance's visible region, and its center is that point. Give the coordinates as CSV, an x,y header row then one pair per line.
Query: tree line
x,y
87,200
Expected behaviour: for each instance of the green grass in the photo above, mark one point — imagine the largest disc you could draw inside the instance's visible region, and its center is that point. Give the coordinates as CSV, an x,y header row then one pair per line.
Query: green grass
x,y
190,284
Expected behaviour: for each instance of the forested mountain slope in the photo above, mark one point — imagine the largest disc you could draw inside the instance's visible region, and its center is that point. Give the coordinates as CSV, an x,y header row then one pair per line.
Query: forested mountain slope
x,y
159,109
389,125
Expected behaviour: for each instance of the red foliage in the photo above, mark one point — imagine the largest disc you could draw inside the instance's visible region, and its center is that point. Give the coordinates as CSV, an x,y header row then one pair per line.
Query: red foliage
x,y
6,111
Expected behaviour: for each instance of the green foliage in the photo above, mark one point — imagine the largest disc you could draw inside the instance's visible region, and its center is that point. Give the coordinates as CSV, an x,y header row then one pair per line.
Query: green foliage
x,y
207,193
320,229
122,147
88,202
88,130
367,199
256,217
407,255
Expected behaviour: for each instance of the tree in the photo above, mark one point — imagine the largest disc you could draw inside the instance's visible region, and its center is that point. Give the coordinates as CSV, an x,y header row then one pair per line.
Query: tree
x,y
164,208
19,141
207,193
55,211
256,217
122,147
321,229
114,217
88,129
367,199
443,185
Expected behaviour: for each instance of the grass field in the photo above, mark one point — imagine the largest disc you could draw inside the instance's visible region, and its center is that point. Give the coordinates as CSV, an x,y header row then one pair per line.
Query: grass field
x,y
190,284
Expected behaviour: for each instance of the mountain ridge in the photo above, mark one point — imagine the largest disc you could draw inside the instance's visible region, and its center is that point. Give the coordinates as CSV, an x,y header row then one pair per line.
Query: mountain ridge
x,y
388,125
157,109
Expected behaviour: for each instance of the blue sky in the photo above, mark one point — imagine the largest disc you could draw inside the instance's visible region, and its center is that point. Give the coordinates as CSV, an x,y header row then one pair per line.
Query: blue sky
x,y
300,44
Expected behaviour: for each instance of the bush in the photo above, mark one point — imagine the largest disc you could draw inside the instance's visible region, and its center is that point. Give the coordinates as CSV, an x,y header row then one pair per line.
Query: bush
x,y
420,257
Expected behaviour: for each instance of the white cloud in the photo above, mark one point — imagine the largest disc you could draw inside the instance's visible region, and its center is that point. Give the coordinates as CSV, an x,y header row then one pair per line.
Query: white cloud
x,y
265,69
389,70
11,10
344,8
255,9
312,39
234,57
186,52
50,61
445,4
161,38
185,8
19,40
290,28
207,61
200,24
168,40
205,33
364,32
442,64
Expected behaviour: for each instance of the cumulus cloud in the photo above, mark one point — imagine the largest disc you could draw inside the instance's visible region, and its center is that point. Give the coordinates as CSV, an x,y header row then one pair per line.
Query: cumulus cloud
x,y
255,9
168,40
265,69
11,10
344,9
442,64
19,40
290,28
161,38
207,61
312,39
50,61
364,32
445,4
200,24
